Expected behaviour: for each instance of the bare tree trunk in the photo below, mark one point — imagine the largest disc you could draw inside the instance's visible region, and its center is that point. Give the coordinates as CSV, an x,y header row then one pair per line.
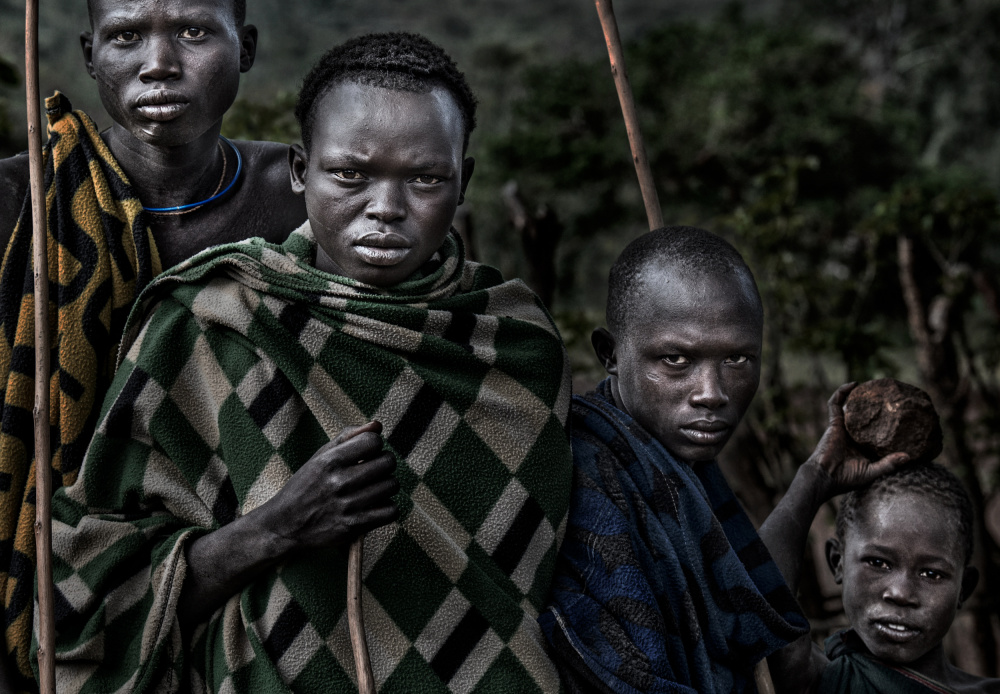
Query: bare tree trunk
x,y
936,326
540,233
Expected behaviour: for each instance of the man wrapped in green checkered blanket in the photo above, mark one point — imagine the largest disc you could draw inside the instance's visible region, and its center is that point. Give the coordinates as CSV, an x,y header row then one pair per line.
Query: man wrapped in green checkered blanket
x,y
204,545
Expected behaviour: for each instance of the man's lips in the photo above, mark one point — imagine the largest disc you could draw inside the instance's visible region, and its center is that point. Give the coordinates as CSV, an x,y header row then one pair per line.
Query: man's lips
x,y
895,630
161,104
706,432
385,249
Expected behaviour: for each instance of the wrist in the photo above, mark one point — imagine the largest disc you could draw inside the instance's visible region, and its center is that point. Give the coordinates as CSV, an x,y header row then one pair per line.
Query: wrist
x,y
813,477
264,529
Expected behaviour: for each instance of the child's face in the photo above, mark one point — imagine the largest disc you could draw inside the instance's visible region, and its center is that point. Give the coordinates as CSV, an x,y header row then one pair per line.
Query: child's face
x,y
902,571
167,70
690,363
382,179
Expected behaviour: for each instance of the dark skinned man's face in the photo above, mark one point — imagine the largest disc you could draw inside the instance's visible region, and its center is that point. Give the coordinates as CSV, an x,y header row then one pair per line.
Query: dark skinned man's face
x,y
382,179
167,70
689,363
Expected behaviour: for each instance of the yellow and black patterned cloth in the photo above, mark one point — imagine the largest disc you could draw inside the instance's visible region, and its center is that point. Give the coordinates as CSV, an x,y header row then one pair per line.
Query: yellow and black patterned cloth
x,y
100,256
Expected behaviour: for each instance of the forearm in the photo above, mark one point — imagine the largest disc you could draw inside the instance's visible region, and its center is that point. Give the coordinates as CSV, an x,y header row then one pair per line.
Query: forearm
x,y
786,530
222,563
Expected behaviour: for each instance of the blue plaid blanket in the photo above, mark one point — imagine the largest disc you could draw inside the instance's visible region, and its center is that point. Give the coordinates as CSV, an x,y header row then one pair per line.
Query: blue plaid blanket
x,y
662,583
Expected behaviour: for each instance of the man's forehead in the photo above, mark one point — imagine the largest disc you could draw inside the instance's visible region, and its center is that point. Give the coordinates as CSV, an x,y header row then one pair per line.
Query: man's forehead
x,y
660,282
191,10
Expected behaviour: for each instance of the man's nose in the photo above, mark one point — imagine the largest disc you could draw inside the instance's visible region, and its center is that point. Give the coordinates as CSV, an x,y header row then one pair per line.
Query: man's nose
x,y
709,390
388,201
900,589
161,60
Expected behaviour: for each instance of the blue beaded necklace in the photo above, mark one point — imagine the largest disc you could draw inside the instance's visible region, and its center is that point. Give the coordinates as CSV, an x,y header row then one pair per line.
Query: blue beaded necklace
x,y
217,195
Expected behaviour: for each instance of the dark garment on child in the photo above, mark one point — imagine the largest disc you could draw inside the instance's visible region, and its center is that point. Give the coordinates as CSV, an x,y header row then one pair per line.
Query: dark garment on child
x,y
662,584
854,670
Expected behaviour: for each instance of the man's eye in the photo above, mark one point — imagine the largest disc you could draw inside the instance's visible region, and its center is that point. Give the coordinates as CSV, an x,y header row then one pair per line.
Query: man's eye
x,y
933,574
877,563
348,174
127,37
192,33
427,179
676,359
737,359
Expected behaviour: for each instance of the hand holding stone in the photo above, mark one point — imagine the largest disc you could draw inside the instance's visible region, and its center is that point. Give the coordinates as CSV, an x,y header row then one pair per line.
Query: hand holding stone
x,y
844,465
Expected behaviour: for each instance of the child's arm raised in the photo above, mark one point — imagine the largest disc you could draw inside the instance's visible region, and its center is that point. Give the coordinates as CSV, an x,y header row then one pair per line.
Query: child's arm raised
x,y
832,469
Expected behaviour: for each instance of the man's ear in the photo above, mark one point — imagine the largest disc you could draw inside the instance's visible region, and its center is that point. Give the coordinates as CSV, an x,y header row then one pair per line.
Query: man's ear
x,y
87,44
298,165
969,582
835,559
468,166
606,349
248,47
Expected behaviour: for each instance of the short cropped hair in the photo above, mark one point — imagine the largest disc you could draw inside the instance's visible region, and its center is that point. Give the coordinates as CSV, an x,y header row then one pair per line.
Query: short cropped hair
x,y
933,481
685,248
397,60
239,12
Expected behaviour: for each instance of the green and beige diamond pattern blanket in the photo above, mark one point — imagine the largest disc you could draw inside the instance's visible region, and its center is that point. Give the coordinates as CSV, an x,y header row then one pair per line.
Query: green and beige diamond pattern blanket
x,y
238,365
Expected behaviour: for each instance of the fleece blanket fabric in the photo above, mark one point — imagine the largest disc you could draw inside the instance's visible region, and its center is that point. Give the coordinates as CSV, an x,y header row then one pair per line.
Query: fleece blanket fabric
x,y
662,585
100,255
854,670
240,364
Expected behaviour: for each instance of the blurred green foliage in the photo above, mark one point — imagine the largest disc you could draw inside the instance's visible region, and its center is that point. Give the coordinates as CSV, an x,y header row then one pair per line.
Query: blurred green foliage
x,y
272,120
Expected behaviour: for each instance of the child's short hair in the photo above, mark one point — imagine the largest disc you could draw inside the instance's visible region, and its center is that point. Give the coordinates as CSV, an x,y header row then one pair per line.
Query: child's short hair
x,y
685,248
397,60
929,479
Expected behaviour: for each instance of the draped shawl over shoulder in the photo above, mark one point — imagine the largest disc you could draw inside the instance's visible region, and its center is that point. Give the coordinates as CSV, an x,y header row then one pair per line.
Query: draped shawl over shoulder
x,y
100,256
662,584
239,365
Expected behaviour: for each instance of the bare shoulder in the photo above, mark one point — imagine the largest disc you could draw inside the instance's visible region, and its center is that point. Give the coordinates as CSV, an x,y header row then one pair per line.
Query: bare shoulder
x,y
269,188
266,165
14,186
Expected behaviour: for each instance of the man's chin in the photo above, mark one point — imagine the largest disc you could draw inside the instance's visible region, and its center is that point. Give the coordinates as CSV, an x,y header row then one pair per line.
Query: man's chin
x,y
695,455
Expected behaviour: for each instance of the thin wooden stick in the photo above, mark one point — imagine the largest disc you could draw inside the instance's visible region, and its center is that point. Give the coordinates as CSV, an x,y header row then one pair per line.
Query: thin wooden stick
x,y
43,463
762,675
617,56
355,619
355,616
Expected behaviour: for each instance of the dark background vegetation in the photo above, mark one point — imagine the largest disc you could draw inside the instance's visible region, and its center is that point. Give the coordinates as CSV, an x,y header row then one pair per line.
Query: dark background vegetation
x,y
850,149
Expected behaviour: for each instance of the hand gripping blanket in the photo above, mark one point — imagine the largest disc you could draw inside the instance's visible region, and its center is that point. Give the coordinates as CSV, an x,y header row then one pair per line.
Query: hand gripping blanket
x,y
100,255
240,364
854,670
662,584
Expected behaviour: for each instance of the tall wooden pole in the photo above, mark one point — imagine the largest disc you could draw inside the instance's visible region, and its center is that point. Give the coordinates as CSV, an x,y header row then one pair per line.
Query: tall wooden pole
x,y
43,464
649,197
652,202
355,619
355,615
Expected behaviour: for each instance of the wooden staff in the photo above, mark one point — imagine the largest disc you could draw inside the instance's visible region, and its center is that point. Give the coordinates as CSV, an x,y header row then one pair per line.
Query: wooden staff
x,y
653,212
355,619
43,465
355,616
617,56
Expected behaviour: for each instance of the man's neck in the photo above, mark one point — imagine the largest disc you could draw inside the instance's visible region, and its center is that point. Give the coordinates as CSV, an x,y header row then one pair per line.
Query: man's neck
x,y
168,176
